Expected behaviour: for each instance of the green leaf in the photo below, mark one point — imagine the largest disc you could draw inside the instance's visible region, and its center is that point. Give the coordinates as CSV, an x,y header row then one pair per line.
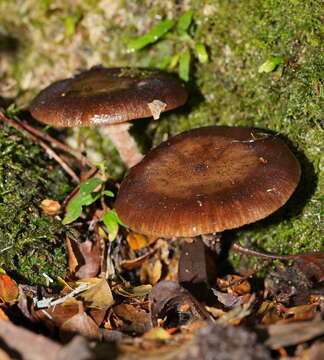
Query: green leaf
x,y
71,22
109,193
85,197
82,200
13,110
163,64
72,215
112,222
201,53
174,61
185,21
184,65
270,65
152,36
90,185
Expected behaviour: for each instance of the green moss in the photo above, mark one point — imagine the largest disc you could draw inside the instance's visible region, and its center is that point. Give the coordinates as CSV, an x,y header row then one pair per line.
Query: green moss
x,y
31,242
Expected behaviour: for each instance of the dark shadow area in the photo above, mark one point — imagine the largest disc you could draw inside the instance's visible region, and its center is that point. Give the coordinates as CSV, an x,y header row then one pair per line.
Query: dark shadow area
x,y
139,131
8,44
12,353
5,102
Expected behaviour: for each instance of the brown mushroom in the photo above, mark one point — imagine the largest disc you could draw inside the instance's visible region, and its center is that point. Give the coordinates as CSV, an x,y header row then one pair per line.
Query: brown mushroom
x,y
207,180
110,98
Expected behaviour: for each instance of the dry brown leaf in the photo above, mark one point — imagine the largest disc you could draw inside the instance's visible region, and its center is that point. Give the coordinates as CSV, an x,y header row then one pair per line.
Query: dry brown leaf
x,y
228,300
82,324
98,296
132,291
137,262
83,258
98,315
151,272
301,312
58,314
234,284
26,344
132,319
131,313
293,333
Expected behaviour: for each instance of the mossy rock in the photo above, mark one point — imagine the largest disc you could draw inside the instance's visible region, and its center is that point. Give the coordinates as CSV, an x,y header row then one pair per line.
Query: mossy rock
x,y
31,242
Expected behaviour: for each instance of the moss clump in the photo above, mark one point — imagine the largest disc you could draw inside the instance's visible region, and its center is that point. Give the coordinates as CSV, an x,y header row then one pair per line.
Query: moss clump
x,y
31,242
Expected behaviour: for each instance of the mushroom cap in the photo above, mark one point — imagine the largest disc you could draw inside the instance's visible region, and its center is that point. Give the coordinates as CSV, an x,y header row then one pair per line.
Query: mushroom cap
x,y
102,96
207,180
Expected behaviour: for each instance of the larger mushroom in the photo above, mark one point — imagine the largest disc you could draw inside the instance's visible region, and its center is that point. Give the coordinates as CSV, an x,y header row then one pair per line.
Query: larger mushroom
x,y
207,180
110,98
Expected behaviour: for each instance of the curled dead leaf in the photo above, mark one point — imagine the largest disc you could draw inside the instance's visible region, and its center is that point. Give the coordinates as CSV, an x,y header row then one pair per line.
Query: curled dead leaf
x,y
50,207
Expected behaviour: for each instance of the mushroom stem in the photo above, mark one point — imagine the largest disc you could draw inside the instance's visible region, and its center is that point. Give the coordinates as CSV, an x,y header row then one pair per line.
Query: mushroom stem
x,y
124,143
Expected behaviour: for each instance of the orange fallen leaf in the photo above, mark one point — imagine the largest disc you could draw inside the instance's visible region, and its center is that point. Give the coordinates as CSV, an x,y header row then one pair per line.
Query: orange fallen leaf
x,y
172,330
50,207
3,316
8,289
137,241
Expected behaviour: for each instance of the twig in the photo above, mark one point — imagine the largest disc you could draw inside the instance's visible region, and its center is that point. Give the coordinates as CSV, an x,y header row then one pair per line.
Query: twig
x,y
239,248
78,155
51,153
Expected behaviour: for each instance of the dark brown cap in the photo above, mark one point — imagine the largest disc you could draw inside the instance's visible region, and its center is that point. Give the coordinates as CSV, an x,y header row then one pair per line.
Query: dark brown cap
x,y
103,96
207,180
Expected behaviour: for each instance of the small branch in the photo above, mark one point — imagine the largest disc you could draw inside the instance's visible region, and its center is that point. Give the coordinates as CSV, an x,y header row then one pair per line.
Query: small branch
x,y
240,249
51,153
77,154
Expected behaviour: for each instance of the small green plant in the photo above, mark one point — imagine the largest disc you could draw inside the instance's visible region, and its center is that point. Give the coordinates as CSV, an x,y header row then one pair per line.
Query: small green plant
x,y
12,110
90,191
181,33
270,65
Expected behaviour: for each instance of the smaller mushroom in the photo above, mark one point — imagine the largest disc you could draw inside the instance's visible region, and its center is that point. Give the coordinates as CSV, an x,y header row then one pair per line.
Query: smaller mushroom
x,y
110,98
207,180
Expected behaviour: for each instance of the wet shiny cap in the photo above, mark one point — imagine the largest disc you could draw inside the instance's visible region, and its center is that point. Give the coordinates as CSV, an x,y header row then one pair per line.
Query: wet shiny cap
x,y
207,180
103,96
